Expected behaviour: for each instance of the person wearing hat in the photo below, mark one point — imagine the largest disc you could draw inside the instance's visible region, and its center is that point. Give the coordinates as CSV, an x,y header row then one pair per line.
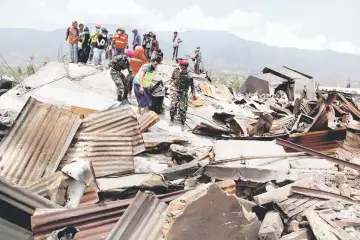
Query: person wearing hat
x,y
100,48
137,39
84,46
93,39
120,41
198,59
182,81
72,36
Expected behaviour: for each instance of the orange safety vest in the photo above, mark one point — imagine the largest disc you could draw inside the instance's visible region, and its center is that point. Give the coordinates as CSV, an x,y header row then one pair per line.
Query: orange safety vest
x,y
73,35
120,40
135,64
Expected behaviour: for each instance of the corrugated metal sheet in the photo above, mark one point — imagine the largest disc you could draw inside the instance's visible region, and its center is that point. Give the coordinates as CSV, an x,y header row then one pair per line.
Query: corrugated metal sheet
x,y
109,153
109,139
37,142
147,120
284,73
23,199
82,111
94,221
119,121
219,92
324,141
143,219
42,187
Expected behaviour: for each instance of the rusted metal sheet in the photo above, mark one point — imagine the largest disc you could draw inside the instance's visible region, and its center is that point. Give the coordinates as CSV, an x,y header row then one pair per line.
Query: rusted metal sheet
x,y
323,141
109,153
119,121
299,148
37,142
147,120
143,219
22,198
350,107
94,221
82,111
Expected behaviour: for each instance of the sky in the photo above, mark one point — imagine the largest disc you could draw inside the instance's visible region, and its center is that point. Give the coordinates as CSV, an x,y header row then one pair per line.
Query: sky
x,y
305,24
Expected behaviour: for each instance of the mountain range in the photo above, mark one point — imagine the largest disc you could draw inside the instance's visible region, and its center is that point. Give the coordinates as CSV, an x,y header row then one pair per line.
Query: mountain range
x,y
221,51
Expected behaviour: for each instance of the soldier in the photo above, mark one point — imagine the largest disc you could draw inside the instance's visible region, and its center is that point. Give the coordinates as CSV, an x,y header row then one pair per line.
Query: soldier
x,y
120,63
182,82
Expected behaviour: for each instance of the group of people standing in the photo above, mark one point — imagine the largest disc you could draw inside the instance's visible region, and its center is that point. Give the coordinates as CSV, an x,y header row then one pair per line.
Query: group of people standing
x,y
100,45
141,62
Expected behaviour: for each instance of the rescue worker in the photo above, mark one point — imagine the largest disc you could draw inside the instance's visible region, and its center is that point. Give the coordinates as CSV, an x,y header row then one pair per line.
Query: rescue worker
x,y
100,48
176,44
142,83
137,60
120,41
72,36
84,46
137,39
182,82
198,59
93,39
122,82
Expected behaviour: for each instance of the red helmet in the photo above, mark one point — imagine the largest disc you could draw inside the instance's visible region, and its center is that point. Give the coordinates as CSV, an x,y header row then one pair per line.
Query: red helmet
x,y
184,63
139,50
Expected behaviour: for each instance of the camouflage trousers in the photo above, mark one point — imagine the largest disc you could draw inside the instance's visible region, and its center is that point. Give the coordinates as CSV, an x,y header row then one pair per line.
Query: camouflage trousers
x,y
179,103
123,84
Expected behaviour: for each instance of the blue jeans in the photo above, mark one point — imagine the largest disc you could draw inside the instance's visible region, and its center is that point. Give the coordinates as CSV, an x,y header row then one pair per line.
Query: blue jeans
x,y
99,57
118,51
73,52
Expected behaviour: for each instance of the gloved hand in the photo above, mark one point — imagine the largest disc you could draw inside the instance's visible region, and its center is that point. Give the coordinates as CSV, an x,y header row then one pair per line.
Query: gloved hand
x,y
195,98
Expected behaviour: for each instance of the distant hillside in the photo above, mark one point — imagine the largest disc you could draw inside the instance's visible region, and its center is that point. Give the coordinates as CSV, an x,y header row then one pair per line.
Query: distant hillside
x,y
221,50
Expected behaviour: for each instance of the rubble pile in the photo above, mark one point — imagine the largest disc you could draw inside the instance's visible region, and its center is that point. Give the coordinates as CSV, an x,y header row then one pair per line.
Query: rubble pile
x,y
281,164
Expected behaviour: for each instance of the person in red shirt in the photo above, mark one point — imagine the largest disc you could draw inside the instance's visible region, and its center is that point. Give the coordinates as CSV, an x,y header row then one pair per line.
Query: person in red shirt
x,y
72,36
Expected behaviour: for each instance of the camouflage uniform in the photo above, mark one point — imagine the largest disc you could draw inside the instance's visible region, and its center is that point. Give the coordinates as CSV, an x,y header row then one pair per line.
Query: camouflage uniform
x,y
123,83
182,82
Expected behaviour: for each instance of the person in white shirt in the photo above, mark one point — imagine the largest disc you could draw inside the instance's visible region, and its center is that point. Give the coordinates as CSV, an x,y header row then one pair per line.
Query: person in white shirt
x,y
176,42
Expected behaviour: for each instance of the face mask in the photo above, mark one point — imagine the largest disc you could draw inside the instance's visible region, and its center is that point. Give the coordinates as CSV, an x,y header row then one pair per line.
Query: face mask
x,y
104,35
118,32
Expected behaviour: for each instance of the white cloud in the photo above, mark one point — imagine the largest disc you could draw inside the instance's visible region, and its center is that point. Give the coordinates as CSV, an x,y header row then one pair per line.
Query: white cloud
x,y
253,26
48,15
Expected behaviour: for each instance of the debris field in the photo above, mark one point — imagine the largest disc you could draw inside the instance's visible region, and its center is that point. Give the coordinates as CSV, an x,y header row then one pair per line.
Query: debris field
x,y
278,160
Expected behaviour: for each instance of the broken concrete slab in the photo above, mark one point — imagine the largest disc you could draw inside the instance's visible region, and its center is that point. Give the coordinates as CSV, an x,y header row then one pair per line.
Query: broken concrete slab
x,y
210,213
281,194
230,149
181,171
271,227
265,174
148,165
300,235
120,184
